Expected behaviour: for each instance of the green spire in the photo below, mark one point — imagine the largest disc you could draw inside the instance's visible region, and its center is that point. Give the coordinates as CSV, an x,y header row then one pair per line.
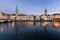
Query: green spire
x,y
16,9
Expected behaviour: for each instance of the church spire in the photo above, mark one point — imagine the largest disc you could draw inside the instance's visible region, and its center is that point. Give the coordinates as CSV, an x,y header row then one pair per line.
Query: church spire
x,y
46,12
16,10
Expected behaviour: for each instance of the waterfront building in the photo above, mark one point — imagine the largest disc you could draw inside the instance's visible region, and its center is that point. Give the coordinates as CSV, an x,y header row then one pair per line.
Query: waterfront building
x,y
41,17
17,16
56,17
30,23
50,16
47,16
1,15
37,17
7,16
25,17
31,17
22,17
12,17
44,16
4,15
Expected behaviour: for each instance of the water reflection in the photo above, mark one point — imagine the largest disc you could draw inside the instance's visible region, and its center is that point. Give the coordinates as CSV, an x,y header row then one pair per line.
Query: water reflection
x,y
30,23
2,27
13,25
19,30
45,24
56,24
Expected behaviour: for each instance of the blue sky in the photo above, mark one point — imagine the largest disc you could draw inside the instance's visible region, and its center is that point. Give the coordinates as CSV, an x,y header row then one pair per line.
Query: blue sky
x,y
30,7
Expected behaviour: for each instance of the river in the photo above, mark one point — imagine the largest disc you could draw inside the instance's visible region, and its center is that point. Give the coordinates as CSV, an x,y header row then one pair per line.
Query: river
x,y
29,31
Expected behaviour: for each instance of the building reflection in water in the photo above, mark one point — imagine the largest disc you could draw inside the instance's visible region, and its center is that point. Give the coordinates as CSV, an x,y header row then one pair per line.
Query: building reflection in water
x,y
2,27
38,23
21,29
45,25
30,23
9,24
56,24
14,26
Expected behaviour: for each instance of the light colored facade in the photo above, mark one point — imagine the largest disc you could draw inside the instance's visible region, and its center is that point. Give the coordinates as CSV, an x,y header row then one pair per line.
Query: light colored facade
x,y
1,15
7,16
44,17
17,16
37,17
25,17
57,15
47,16
4,16
31,17
22,18
50,17
12,17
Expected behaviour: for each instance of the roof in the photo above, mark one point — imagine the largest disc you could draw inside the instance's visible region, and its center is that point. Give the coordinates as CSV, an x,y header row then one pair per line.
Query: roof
x,y
5,14
57,14
22,15
13,14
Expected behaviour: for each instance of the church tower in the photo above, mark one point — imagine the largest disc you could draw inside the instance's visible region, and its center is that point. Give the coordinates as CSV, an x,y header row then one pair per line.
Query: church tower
x,y
46,12
16,11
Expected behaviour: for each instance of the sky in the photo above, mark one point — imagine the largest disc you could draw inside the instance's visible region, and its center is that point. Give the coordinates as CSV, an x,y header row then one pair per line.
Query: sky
x,y
30,7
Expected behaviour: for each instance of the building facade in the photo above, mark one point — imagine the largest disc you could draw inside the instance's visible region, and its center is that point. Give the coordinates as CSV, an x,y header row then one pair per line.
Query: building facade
x,y
56,17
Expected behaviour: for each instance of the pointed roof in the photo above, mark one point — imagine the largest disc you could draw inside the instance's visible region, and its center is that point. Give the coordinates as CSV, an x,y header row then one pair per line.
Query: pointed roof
x,y
45,10
16,8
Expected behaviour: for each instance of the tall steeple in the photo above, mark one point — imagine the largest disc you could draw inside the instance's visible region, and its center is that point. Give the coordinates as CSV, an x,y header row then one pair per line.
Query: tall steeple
x,y
46,12
16,11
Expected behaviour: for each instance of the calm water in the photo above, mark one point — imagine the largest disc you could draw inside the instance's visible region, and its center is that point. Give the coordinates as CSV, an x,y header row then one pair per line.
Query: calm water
x,y
29,31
